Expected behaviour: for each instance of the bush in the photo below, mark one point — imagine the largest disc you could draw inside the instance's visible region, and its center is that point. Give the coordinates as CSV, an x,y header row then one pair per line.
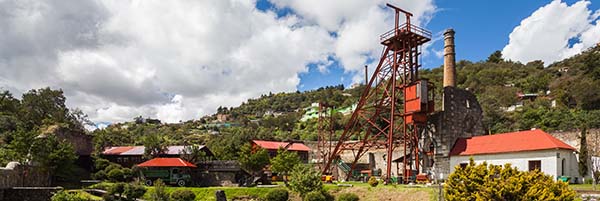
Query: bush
x,y
134,191
159,193
314,196
116,175
66,196
373,181
277,195
304,179
100,175
101,164
493,182
118,188
183,195
112,166
127,174
347,197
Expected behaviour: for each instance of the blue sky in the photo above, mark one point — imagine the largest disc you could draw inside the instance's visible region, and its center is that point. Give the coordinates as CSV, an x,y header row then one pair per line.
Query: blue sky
x,y
482,27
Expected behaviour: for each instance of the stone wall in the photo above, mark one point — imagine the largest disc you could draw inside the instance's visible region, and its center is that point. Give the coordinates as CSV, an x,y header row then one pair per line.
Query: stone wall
x,y
461,117
572,138
28,193
16,175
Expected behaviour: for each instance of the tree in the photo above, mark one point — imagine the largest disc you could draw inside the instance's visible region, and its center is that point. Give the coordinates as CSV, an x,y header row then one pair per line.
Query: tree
x,y
159,193
253,159
155,145
583,153
54,155
305,179
284,162
495,57
193,153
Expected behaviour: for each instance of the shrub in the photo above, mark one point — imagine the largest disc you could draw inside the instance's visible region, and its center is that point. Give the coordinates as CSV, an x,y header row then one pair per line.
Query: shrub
x,y
373,181
183,195
115,175
100,175
66,196
112,166
315,196
159,193
118,188
347,197
493,182
277,195
101,164
304,179
134,191
127,174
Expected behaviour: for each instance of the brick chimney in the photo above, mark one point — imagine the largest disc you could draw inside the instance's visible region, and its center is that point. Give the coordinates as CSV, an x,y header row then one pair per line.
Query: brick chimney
x,y
449,59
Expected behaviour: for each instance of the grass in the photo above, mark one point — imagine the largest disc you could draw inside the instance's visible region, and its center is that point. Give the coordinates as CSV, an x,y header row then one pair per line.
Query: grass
x,y
363,190
583,187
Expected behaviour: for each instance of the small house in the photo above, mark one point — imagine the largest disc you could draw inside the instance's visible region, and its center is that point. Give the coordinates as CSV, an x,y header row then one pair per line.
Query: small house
x,y
525,150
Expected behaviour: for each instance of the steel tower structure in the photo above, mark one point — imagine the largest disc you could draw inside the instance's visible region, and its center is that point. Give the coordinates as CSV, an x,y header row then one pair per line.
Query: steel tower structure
x,y
393,108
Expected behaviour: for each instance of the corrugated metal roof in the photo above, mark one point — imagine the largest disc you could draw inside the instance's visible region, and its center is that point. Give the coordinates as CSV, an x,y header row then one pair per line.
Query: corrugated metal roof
x,y
530,140
139,150
272,145
166,162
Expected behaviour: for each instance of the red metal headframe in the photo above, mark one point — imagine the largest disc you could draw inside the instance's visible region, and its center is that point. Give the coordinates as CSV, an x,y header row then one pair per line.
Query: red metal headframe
x,y
394,100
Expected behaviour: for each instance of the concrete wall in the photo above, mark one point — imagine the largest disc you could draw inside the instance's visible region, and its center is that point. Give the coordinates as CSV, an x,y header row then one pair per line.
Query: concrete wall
x,y
550,161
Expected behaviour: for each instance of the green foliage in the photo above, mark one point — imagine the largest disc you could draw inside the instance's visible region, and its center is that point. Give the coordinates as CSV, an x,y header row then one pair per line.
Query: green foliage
x,y
483,182
116,175
495,57
253,159
314,196
277,195
320,195
347,197
67,196
284,162
583,154
134,191
304,179
183,195
159,192
155,145
117,189
100,175
373,181
193,153
101,163
56,156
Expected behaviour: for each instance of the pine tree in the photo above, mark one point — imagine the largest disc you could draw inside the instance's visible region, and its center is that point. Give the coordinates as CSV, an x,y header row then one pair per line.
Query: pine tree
x,y
583,154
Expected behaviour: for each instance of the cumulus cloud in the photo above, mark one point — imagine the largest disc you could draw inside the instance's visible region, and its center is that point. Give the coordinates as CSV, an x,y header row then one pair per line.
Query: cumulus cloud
x,y
546,34
180,60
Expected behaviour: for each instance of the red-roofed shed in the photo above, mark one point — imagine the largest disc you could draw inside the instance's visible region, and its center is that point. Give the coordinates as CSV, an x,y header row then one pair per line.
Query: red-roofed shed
x,y
273,146
166,162
526,150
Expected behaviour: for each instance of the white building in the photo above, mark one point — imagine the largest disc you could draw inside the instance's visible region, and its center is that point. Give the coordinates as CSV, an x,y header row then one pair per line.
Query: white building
x,y
526,150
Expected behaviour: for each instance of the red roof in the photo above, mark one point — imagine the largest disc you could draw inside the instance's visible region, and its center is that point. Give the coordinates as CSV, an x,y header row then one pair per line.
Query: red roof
x,y
116,150
507,142
272,145
166,162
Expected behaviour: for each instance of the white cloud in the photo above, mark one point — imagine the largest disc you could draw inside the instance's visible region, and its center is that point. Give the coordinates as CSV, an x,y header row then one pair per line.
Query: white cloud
x,y
546,33
358,24
179,60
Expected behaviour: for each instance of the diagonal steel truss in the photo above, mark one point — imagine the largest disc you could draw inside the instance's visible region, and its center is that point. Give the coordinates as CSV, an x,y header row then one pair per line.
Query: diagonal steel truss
x,y
382,117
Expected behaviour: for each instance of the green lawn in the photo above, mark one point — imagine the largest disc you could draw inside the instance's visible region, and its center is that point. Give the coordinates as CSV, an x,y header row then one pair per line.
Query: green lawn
x,y
363,190
584,187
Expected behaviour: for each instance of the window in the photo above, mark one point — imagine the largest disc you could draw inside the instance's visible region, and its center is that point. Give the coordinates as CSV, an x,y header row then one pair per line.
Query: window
x,y
535,165
463,165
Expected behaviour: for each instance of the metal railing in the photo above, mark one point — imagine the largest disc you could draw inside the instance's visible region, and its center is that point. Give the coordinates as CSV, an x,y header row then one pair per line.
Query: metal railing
x,y
414,29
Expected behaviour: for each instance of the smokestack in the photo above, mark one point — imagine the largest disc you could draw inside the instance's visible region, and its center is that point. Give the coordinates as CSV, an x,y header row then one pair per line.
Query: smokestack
x,y
449,59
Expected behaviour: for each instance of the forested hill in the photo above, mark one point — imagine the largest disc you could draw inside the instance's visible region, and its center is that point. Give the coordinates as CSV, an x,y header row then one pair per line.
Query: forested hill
x,y
514,96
